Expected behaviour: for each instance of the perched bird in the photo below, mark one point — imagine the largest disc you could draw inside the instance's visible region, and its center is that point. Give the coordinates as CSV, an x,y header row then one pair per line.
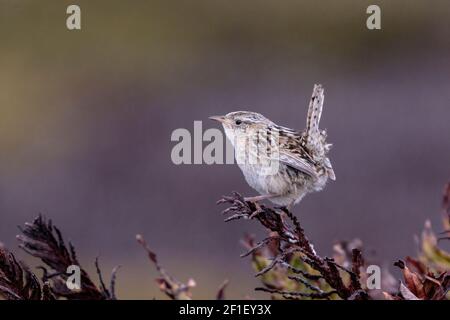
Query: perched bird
x,y
282,164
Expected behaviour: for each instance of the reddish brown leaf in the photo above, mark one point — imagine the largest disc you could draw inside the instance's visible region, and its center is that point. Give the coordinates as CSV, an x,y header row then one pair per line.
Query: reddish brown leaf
x,y
412,280
406,293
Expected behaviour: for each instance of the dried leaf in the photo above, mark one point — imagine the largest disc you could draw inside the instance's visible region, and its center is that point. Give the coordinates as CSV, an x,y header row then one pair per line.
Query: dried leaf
x,y
406,293
412,280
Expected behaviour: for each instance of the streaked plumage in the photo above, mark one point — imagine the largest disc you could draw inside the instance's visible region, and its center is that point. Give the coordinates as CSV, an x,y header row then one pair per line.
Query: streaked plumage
x,y
300,157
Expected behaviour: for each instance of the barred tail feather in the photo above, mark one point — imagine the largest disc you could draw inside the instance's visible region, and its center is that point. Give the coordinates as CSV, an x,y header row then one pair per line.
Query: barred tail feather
x,y
312,133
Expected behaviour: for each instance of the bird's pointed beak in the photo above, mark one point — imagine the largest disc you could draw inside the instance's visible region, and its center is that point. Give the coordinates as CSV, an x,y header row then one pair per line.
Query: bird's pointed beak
x,y
218,118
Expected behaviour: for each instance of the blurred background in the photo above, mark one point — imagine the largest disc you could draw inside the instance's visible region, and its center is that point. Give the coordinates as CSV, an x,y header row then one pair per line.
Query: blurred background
x,y
86,118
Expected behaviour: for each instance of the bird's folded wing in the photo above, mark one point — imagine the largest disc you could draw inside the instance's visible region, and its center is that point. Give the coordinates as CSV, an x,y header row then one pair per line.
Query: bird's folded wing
x,y
298,163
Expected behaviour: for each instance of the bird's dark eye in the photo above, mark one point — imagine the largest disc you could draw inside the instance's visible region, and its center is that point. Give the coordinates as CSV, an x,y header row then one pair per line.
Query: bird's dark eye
x,y
238,122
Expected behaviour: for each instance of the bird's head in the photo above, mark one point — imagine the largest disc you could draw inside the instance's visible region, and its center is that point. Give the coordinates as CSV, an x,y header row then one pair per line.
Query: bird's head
x,y
241,123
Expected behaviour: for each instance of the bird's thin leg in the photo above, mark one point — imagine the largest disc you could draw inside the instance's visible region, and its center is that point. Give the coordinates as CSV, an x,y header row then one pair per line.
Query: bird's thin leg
x,y
260,198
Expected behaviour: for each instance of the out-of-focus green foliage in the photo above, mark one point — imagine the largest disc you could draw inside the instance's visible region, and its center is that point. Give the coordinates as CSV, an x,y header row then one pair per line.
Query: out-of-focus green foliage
x,y
437,259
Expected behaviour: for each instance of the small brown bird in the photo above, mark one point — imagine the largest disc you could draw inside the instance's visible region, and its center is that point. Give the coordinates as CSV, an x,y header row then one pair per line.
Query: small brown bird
x,y
282,164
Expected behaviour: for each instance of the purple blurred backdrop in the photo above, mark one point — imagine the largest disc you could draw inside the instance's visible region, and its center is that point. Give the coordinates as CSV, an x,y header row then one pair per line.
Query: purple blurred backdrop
x,y
86,119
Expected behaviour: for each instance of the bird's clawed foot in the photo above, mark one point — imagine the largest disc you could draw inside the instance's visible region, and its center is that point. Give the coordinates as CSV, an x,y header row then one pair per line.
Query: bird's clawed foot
x,y
255,200
257,211
249,207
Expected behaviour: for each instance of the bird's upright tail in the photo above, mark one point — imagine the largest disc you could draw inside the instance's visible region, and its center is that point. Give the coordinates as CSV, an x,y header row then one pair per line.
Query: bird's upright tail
x,y
313,138
312,133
